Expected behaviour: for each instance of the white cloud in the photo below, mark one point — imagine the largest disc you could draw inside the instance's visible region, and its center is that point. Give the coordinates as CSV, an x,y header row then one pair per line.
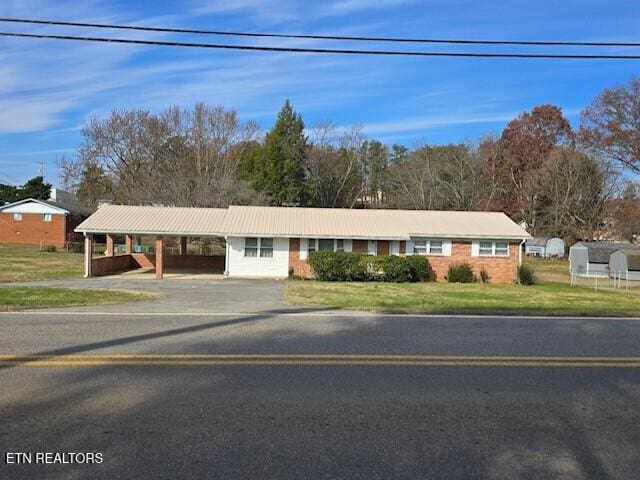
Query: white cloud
x,y
428,122
350,6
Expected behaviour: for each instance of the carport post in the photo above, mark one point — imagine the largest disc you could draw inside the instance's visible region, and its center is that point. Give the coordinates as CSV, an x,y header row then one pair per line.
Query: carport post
x,y
88,254
128,243
159,248
109,252
183,245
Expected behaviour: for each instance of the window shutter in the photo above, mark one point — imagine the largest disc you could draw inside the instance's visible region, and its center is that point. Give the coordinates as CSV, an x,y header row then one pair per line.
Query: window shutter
x,y
304,245
408,247
475,248
446,248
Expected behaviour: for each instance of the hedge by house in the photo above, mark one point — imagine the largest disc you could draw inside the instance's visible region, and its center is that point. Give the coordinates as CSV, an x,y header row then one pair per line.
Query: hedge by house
x,y
349,266
461,273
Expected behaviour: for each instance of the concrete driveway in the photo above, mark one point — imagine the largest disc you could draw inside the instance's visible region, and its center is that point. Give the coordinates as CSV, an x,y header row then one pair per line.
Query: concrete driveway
x,y
182,295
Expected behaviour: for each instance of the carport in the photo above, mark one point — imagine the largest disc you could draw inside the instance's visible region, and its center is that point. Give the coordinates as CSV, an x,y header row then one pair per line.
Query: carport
x,y
169,230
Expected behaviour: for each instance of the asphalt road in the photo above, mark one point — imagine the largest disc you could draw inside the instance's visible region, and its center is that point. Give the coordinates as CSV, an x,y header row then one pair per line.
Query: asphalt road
x,y
497,398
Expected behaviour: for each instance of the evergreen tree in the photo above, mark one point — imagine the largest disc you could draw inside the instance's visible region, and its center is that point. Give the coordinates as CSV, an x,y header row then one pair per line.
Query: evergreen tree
x,y
35,188
284,159
8,193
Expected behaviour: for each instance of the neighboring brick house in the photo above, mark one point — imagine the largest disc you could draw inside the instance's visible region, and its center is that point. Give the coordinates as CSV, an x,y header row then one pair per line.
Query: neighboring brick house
x,y
270,242
41,222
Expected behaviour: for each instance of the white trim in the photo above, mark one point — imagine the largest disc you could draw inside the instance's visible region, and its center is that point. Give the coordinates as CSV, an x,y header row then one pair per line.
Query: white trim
x,y
446,247
9,207
493,253
394,247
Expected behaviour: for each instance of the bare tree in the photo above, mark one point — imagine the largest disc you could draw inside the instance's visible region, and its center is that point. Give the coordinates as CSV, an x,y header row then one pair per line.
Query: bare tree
x,y
610,125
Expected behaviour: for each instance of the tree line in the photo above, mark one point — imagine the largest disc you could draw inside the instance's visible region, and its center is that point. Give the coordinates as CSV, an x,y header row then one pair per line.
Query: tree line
x,y
539,170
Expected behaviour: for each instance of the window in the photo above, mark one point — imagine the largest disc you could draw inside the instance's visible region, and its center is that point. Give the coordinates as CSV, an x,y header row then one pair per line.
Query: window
x,y
266,247
325,244
420,247
46,217
435,247
494,248
486,248
17,217
502,249
428,247
250,247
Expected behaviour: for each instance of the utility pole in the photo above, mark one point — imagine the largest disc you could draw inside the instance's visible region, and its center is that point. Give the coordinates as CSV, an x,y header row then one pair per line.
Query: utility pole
x,y
41,168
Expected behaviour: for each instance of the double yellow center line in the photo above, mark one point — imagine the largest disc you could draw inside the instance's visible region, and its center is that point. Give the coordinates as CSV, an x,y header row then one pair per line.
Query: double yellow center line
x,y
90,360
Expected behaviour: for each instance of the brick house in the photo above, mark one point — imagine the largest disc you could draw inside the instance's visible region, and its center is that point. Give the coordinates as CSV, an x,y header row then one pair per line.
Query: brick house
x,y
269,242
41,222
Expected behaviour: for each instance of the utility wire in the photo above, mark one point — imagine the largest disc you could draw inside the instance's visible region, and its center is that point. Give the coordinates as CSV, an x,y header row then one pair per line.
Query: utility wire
x,y
322,37
404,53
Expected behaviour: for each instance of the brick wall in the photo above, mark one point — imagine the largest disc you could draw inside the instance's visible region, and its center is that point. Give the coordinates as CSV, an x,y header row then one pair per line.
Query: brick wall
x,y
360,246
195,262
32,230
118,263
106,265
300,267
500,269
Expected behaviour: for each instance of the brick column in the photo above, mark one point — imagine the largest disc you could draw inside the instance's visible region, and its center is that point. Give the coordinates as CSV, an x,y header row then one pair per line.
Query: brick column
x,y
183,245
88,255
128,243
109,251
159,265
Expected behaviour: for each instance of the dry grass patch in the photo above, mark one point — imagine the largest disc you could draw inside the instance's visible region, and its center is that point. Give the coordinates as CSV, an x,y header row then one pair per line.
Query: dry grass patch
x,y
483,299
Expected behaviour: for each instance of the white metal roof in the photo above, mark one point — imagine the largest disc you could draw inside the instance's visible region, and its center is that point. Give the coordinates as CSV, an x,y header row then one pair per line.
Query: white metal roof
x,y
155,220
301,222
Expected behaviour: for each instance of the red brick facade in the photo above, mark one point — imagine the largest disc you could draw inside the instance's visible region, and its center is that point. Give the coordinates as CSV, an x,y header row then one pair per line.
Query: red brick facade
x,y
300,267
118,263
33,230
500,269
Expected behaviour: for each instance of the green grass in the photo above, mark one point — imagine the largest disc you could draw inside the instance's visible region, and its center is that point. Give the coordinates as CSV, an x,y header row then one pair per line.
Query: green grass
x,y
21,298
27,262
551,296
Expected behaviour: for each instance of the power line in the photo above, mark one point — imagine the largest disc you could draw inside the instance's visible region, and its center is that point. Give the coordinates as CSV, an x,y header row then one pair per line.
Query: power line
x,y
406,53
323,37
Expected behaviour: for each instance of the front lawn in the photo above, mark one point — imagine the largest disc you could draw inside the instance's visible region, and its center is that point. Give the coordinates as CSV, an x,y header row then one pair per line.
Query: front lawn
x,y
26,262
23,298
455,298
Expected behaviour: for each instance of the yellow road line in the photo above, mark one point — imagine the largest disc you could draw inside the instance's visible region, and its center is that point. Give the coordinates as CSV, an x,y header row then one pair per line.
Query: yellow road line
x,y
77,360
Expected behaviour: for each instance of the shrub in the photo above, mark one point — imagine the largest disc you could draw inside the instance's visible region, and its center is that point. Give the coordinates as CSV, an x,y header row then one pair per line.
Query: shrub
x,y
396,269
526,275
76,247
418,268
48,248
337,266
484,276
460,273
372,267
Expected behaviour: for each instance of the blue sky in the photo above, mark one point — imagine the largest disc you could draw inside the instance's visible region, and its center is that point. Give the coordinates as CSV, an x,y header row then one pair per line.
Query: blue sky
x,y
48,89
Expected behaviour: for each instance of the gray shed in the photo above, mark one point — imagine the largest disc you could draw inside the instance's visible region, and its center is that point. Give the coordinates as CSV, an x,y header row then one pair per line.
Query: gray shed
x,y
625,263
591,258
545,247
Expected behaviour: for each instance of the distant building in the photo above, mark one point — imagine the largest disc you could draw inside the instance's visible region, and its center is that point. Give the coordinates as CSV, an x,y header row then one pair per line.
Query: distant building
x,y
625,263
42,222
546,247
592,258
